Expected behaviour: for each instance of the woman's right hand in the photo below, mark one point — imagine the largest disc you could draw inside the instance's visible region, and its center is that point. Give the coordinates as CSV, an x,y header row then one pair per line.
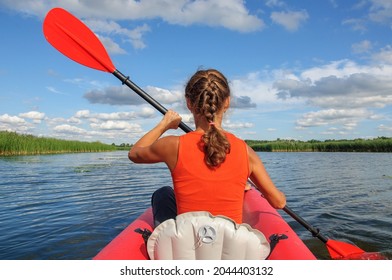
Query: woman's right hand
x,y
152,149
171,120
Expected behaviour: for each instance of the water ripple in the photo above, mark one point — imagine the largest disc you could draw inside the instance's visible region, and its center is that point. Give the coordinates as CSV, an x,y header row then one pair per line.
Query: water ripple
x,y
70,206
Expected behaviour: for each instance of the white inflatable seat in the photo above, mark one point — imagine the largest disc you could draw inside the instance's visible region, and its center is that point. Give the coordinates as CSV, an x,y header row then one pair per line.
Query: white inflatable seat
x,y
202,236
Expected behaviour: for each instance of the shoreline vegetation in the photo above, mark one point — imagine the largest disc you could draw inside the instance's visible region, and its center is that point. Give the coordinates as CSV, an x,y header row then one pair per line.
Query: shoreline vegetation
x,y
376,145
14,144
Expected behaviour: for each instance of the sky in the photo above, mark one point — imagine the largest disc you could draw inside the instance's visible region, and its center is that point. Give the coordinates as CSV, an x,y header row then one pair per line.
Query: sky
x,y
298,70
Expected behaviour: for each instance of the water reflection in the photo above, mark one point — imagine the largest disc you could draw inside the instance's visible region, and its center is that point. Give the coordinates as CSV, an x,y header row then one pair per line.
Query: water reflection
x,y
70,206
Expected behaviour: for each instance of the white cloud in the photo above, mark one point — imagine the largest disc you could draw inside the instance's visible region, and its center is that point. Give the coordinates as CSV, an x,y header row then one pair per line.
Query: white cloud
x,y
230,14
114,116
339,68
147,112
113,95
356,24
15,123
275,3
341,84
111,46
381,11
165,96
74,120
346,117
82,114
70,129
13,120
109,27
103,126
236,125
256,85
122,95
116,125
34,115
256,91
144,112
383,56
385,128
290,20
103,17
86,125
362,47
52,89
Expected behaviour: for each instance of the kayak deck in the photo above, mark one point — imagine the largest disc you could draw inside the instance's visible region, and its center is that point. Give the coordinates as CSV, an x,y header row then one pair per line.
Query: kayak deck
x,y
129,245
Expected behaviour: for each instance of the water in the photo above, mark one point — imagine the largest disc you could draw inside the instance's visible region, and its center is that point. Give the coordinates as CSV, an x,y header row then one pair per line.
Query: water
x,y
70,206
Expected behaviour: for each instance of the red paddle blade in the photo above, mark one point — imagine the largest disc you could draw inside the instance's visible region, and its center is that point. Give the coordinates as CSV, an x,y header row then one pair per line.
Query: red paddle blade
x,y
75,40
365,256
344,251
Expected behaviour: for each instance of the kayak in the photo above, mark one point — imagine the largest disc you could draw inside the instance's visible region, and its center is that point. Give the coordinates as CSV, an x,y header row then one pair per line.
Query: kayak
x,y
258,213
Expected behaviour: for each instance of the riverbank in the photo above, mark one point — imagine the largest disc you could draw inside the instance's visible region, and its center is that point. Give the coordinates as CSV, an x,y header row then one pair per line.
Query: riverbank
x,y
12,144
376,145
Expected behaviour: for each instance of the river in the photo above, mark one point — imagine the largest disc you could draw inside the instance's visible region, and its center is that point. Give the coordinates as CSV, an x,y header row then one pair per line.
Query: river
x,y
68,207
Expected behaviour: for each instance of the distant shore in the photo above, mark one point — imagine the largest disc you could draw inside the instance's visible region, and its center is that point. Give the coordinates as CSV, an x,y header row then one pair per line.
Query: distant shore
x,y
377,145
12,144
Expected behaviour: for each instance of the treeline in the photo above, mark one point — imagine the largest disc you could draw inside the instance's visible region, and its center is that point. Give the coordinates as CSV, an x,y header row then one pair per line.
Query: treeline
x,y
122,146
12,143
377,145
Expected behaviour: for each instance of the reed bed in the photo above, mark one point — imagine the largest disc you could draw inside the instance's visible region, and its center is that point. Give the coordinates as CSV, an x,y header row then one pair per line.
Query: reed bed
x,y
377,145
12,143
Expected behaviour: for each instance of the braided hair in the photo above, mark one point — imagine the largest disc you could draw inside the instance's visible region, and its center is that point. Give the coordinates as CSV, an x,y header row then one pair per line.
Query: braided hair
x,y
207,91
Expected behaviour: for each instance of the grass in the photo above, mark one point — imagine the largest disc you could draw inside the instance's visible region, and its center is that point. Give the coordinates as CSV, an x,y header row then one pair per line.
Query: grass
x,y
12,143
377,145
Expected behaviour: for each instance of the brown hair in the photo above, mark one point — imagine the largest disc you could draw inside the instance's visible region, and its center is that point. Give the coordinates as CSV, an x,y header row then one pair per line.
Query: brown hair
x,y
207,91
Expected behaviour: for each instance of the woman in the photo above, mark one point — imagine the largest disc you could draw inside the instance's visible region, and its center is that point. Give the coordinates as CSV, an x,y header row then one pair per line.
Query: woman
x,y
209,166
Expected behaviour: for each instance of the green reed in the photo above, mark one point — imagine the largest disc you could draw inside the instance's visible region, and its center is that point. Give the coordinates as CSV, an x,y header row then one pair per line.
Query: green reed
x,y
12,143
377,145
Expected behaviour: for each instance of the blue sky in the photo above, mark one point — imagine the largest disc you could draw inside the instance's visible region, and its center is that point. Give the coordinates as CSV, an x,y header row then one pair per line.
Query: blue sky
x,y
297,69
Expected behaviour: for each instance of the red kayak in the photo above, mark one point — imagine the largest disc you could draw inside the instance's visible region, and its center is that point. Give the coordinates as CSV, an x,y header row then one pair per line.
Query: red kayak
x,y
285,243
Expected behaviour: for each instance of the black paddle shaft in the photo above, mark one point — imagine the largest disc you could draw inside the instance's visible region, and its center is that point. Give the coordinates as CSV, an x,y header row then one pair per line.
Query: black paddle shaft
x,y
126,81
315,232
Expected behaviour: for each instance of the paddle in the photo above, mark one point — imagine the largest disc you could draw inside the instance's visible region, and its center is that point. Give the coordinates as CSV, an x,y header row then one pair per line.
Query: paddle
x,y
75,40
336,249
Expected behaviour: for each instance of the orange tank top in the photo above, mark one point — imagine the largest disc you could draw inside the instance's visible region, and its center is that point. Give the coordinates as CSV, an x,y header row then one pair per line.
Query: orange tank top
x,y
219,191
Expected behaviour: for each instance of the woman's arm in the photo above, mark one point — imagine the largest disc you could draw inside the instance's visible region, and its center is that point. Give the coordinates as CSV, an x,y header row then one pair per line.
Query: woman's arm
x,y
151,148
262,180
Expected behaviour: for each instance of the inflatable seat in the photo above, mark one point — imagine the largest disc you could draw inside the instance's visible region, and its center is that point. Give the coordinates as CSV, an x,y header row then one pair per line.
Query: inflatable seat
x,y
202,236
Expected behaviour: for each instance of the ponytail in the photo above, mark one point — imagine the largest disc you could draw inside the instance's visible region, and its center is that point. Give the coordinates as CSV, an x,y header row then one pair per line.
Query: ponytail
x,y
207,91
215,147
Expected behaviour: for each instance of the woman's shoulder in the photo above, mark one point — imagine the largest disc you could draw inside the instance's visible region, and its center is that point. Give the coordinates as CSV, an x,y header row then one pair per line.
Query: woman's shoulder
x,y
170,139
165,144
232,136
191,135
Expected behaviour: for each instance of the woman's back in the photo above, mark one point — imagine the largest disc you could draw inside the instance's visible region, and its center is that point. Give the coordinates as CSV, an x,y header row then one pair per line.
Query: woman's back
x,y
198,187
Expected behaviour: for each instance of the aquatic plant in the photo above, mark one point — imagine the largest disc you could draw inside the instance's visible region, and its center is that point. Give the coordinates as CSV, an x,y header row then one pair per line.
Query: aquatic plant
x,y
376,145
12,143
